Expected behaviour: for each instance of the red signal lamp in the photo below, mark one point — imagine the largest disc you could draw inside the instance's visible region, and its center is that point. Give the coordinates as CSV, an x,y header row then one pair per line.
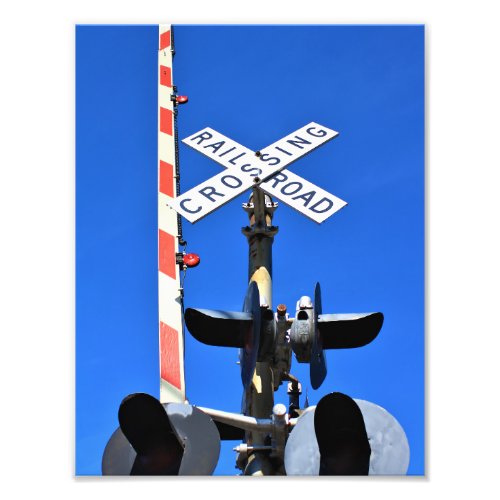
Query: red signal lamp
x,y
191,259
181,99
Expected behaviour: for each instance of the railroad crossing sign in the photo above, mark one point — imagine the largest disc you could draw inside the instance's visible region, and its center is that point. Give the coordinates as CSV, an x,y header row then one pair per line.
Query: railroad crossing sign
x,y
265,168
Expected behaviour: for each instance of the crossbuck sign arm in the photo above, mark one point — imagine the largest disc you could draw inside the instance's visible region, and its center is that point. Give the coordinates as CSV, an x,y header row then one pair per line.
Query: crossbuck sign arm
x,y
246,169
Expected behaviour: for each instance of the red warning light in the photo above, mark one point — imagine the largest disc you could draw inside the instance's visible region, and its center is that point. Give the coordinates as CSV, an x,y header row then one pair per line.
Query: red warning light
x,y
181,99
191,259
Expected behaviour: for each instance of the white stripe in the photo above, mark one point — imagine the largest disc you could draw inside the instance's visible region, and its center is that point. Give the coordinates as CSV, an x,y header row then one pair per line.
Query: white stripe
x,y
169,307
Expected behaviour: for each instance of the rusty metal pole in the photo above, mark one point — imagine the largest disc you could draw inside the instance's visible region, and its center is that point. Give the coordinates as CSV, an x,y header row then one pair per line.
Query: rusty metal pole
x,y
259,396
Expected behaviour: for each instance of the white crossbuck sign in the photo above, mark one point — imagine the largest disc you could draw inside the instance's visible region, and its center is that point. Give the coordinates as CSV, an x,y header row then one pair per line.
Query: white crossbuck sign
x,y
245,169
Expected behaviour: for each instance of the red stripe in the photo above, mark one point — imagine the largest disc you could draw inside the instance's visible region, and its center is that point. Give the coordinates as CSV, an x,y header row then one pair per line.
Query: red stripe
x,y
166,121
166,178
170,369
165,40
166,253
165,76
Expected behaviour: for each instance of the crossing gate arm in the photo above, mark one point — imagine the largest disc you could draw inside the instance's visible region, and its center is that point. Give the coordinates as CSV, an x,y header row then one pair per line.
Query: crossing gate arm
x,y
170,325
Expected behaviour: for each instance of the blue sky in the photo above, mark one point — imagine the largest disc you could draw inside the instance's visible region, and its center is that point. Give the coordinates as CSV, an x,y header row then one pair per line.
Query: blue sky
x,y
254,84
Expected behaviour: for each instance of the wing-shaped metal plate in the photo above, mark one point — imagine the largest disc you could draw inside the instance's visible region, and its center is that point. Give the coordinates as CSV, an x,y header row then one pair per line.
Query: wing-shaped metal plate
x,y
248,353
218,328
317,365
342,331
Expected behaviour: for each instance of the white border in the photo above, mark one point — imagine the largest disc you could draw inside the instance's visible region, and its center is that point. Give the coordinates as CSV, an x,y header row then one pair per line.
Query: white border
x,y
37,253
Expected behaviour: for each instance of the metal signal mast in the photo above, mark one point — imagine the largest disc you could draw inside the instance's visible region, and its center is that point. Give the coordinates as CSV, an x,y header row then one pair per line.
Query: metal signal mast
x,y
266,340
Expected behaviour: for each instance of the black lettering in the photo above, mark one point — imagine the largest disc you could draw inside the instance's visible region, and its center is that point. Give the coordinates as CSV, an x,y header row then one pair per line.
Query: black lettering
x,y
320,133
202,137
307,197
226,152
211,192
298,142
244,168
231,161
272,159
239,181
299,184
183,206
279,177
314,207
216,145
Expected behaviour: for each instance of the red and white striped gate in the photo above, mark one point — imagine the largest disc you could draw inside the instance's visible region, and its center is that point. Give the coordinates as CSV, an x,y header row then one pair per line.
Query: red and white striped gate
x,y
172,386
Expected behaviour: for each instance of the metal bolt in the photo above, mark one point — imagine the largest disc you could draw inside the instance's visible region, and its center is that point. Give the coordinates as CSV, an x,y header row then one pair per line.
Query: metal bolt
x,y
279,410
281,310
